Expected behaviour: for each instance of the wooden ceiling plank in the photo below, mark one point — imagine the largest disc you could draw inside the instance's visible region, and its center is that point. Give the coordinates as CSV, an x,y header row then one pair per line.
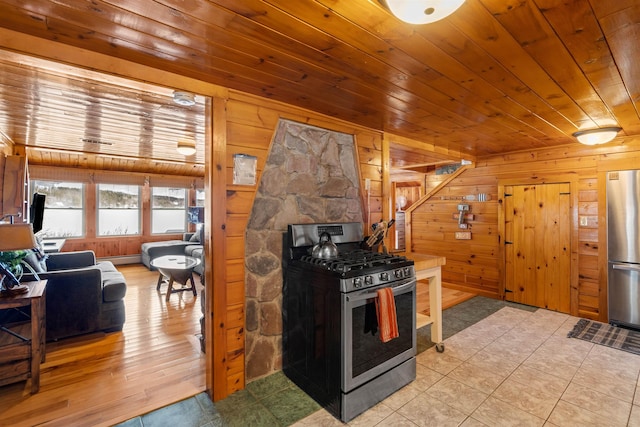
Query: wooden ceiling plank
x,y
582,34
528,26
485,98
448,90
623,32
421,47
499,43
446,99
345,83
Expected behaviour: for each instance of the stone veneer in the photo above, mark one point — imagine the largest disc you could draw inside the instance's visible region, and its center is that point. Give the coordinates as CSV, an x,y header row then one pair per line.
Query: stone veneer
x,y
311,175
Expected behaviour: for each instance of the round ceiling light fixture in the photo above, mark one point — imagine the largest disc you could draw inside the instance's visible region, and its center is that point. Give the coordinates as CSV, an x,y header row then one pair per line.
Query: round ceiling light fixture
x,y
186,147
421,11
183,98
597,136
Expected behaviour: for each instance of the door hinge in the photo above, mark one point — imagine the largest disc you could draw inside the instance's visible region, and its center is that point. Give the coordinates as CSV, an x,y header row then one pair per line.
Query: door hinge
x,y
508,243
507,195
508,290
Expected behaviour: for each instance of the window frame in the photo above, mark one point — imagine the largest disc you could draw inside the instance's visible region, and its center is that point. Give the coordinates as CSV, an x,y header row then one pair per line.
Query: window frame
x,y
48,208
184,209
100,209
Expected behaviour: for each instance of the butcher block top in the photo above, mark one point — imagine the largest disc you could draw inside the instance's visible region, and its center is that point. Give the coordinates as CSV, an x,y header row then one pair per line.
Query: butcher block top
x,y
424,261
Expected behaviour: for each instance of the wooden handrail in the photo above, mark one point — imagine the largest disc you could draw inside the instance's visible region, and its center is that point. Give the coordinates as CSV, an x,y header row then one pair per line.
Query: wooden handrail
x,y
423,199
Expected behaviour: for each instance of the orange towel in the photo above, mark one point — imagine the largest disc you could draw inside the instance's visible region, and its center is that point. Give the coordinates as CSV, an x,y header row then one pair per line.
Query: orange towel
x,y
386,311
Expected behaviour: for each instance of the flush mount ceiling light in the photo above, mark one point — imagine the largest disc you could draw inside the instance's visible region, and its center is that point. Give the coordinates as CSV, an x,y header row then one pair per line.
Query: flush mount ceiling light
x,y
186,147
597,136
186,99
421,11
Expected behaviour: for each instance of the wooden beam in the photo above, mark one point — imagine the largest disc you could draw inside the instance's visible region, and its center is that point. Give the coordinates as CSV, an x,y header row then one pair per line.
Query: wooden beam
x,y
387,206
418,167
215,250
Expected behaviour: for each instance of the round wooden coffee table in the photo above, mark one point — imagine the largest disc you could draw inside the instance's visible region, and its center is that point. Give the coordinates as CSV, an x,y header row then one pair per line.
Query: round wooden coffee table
x,y
176,268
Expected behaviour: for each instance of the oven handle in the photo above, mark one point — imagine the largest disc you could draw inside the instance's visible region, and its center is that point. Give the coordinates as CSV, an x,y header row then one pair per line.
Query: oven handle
x,y
368,294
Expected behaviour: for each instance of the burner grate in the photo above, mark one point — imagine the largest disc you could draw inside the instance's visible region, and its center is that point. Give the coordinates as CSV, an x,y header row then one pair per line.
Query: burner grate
x,y
354,260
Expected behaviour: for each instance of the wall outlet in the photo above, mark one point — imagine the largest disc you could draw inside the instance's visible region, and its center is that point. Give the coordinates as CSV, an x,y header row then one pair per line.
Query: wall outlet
x,y
463,207
584,221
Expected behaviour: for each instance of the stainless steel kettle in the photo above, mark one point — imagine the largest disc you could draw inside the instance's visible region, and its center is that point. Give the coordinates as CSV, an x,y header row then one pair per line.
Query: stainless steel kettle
x,y
325,248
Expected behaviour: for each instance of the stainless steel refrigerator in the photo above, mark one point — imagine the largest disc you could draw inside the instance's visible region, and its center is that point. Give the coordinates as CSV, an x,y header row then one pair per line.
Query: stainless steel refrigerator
x,y
623,244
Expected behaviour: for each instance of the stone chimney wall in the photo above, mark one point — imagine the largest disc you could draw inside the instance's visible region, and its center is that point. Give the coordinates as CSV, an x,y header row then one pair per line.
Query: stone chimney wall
x,y
311,175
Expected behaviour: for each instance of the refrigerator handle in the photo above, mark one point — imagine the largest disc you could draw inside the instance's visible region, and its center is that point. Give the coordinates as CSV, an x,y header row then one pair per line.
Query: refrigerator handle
x,y
631,267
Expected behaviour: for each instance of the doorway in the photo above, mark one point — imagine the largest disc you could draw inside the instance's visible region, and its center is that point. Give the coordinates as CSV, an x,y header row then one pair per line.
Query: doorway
x,y
537,226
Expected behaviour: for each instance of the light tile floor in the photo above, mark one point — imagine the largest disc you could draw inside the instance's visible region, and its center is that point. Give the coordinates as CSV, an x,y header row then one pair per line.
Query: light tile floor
x,y
503,365
513,368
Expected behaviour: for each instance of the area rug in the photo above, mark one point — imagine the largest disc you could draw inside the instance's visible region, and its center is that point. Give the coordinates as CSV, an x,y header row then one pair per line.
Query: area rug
x,y
604,334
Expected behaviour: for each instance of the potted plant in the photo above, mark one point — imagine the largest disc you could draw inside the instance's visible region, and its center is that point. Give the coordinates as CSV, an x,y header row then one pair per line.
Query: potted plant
x,y
11,271
12,261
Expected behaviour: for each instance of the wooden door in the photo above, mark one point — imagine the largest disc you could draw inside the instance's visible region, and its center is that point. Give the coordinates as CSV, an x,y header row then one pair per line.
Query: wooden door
x,y
538,245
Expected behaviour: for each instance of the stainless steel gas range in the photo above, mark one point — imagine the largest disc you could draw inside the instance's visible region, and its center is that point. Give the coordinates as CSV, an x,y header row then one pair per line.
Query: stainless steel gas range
x,y
331,344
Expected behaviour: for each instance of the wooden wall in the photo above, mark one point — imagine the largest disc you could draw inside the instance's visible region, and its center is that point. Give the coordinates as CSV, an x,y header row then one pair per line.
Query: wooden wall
x,y
475,265
249,124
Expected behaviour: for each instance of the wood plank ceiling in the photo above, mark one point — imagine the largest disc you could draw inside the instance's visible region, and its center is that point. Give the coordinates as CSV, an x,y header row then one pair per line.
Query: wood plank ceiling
x,y
494,77
70,117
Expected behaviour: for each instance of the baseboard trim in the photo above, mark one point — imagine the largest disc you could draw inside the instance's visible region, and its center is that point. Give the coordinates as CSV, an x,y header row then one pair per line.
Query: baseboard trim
x,y
124,259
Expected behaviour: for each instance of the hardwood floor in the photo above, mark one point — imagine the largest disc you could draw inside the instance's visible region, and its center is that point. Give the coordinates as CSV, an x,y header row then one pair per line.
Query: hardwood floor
x,y
103,379
450,297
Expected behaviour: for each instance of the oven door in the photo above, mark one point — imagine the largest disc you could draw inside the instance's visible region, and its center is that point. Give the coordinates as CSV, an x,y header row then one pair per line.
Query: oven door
x,y
365,356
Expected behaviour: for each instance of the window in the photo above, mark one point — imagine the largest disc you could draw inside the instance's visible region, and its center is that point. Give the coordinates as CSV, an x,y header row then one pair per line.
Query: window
x,y
168,210
118,210
63,209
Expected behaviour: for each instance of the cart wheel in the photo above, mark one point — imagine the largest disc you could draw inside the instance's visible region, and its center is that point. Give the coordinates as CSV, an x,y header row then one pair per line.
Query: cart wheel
x,y
440,347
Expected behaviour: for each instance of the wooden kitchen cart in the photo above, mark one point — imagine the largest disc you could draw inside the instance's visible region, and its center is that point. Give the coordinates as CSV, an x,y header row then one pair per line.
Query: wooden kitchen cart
x,y
22,343
428,268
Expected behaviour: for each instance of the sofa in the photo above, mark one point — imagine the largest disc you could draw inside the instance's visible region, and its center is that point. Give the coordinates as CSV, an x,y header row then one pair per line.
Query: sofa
x,y
82,295
190,245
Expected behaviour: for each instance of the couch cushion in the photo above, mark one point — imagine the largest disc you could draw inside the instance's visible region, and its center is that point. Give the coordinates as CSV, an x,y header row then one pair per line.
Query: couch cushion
x,y
195,238
106,266
192,249
114,287
162,244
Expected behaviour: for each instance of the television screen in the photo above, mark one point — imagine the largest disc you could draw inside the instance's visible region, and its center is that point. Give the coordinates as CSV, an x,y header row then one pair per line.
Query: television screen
x,y
196,214
36,211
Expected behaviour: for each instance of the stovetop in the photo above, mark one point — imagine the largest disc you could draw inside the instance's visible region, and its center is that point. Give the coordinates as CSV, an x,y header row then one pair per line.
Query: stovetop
x,y
357,270
354,268
358,260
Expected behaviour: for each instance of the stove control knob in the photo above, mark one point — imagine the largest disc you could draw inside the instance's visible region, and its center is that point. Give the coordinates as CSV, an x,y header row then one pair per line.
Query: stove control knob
x,y
407,271
384,276
357,282
368,280
398,274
